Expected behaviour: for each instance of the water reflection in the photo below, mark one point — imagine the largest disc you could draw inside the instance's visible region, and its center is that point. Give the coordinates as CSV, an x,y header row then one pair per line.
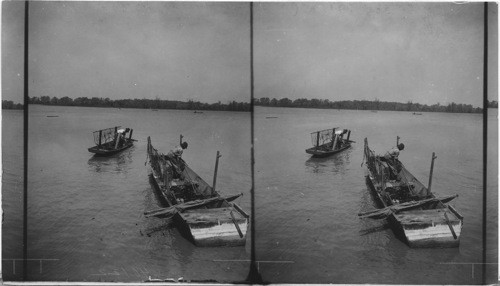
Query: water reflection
x,y
116,163
333,164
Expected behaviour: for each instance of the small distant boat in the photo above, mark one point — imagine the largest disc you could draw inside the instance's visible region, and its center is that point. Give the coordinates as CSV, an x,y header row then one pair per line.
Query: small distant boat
x,y
416,113
271,117
198,111
199,211
110,141
52,115
415,214
329,141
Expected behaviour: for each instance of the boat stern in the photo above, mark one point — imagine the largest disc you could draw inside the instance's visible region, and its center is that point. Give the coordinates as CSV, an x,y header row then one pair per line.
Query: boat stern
x,y
216,227
439,228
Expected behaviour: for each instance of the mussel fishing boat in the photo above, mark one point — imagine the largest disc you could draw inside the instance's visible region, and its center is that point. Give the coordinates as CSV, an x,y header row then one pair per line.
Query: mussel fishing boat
x,y
415,214
329,141
110,141
199,211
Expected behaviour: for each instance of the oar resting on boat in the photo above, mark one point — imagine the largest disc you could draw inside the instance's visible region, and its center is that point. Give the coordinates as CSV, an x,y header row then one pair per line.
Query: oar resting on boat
x,y
188,205
382,213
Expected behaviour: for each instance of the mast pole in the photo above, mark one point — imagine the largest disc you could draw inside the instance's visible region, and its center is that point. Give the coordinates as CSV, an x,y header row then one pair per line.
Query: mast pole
x,y
215,171
432,169
317,140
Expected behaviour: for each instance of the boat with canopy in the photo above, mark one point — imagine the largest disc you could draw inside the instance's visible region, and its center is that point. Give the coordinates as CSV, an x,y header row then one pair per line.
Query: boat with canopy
x,y
112,140
329,142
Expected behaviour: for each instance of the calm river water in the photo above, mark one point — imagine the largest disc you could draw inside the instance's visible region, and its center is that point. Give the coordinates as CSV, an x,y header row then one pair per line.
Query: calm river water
x,y
85,216
308,229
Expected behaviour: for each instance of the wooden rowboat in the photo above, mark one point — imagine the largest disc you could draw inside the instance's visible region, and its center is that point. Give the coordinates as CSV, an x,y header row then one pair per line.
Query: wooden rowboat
x,y
329,142
111,141
415,214
200,212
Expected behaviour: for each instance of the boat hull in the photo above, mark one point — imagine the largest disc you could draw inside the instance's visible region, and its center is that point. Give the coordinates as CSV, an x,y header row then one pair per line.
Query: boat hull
x,y
325,153
429,228
218,223
423,228
215,227
108,152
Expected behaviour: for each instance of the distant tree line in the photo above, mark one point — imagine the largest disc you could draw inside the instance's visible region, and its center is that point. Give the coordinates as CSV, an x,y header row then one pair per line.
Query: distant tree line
x,y
140,103
244,106
9,104
365,105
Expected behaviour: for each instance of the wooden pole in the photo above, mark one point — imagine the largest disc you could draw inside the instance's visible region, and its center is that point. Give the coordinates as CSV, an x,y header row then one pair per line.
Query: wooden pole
x,y
317,140
397,140
118,135
130,134
348,135
180,139
215,171
236,224
100,138
335,140
432,169
450,226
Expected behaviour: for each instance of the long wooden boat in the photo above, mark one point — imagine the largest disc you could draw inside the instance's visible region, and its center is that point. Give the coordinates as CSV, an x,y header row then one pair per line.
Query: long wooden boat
x,y
415,214
329,142
110,141
200,212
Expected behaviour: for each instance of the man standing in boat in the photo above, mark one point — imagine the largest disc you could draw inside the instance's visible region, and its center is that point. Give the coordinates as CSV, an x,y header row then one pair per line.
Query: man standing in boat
x,y
392,158
393,154
175,157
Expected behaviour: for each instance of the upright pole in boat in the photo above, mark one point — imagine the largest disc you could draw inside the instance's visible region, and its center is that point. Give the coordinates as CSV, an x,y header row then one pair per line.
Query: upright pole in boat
x,y
397,140
118,137
180,140
333,136
432,169
130,134
317,140
348,135
100,138
215,171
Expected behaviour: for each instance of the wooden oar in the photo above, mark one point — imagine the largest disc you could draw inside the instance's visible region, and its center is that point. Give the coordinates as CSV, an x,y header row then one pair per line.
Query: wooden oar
x,y
184,206
450,226
236,224
382,213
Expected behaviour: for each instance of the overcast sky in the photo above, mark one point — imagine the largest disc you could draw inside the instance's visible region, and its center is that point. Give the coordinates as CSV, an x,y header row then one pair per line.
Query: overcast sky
x,y
420,52
176,51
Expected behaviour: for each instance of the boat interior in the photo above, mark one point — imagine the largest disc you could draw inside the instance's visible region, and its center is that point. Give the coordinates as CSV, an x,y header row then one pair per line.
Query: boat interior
x,y
400,186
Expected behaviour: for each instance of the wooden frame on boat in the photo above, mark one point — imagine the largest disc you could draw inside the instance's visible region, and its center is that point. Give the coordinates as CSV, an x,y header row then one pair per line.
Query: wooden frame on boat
x,y
112,140
329,142
416,215
199,211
